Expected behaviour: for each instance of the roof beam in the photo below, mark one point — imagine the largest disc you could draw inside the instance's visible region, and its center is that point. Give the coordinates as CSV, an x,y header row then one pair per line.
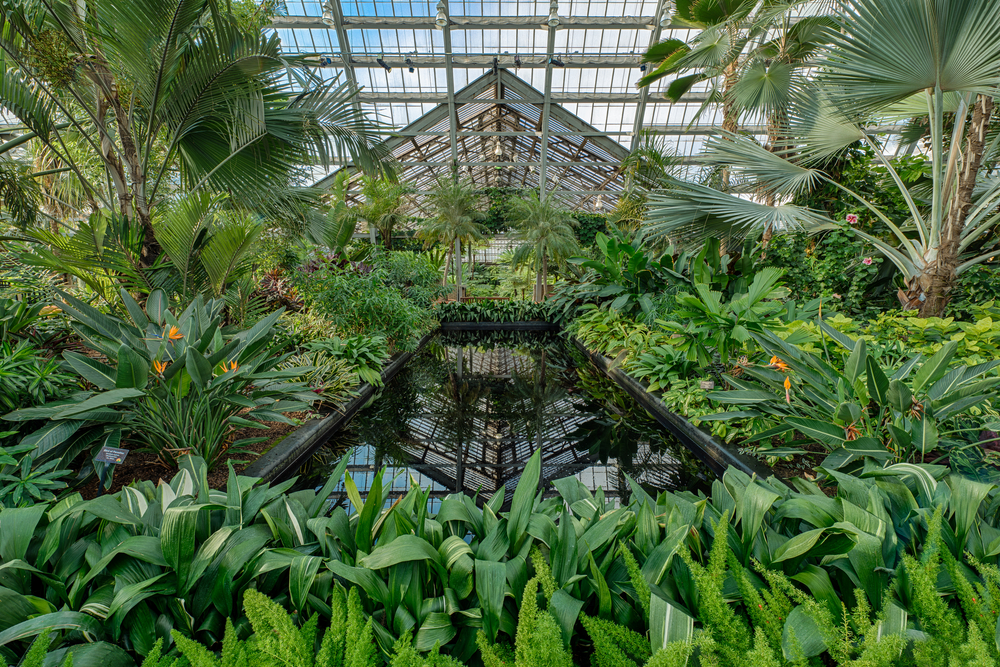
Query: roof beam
x,y
483,61
671,130
386,97
470,22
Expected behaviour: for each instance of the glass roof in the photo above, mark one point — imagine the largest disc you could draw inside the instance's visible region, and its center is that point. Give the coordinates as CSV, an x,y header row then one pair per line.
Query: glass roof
x,y
417,58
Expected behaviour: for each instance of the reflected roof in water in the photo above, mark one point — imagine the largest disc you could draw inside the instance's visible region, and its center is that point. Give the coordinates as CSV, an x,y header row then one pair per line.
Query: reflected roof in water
x,y
467,417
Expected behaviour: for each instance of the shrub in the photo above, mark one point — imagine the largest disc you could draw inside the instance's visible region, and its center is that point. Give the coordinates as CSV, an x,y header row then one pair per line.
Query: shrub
x,y
364,305
179,382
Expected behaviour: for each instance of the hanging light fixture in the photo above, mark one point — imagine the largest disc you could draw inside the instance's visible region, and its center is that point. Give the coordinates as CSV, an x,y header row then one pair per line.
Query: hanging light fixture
x,y
555,61
409,64
328,16
382,63
441,20
553,21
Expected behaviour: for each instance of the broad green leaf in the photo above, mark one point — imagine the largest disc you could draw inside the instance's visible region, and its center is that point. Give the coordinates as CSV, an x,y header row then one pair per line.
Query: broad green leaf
x,y
491,582
808,637
403,549
824,432
878,383
301,575
667,623
60,620
436,630
100,400
97,373
935,367
524,501
566,609
133,370
178,537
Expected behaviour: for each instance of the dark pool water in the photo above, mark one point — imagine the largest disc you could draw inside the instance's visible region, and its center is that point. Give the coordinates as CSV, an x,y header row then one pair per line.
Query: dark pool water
x,y
470,409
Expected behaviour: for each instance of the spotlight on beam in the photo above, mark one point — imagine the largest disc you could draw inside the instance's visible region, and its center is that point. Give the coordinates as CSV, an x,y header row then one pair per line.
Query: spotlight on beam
x,y
408,62
441,20
328,16
382,63
555,61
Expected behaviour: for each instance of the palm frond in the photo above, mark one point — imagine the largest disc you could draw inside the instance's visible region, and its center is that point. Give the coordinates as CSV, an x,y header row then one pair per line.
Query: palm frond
x,y
695,212
888,50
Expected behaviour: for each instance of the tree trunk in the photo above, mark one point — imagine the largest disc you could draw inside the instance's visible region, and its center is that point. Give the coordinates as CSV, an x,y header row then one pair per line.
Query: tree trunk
x,y
730,115
942,272
447,263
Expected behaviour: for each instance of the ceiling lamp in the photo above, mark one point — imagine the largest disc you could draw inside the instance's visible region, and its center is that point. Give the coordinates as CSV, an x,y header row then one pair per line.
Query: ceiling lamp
x,y
328,17
665,20
381,62
441,20
498,151
555,61
553,21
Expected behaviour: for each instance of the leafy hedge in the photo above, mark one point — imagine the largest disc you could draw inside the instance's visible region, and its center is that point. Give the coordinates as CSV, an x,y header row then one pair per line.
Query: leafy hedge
x,y
493,311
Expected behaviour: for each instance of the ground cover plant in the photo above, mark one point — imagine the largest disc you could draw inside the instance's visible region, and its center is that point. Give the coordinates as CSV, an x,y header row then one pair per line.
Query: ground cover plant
x,y
570,578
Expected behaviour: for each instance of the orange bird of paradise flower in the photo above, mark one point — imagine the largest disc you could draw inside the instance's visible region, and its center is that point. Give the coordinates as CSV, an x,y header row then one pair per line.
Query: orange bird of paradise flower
x,y
159,367
779,364
231,367
173,334
788,390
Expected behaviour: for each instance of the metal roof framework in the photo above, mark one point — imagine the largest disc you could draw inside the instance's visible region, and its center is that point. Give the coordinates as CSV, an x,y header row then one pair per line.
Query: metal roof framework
x,y
561,77
518,93
493,133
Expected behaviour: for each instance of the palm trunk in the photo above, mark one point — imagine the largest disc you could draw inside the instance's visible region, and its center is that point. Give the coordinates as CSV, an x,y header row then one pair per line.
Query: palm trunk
x,y
447,263
545,278
942,272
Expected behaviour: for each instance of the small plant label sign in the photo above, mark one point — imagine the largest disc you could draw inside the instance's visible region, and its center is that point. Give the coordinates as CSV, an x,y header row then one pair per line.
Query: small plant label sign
x,y
112,455
708,385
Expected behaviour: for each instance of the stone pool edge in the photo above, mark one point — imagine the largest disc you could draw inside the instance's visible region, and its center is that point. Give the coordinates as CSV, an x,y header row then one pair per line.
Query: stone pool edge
x,y
287,456
715,454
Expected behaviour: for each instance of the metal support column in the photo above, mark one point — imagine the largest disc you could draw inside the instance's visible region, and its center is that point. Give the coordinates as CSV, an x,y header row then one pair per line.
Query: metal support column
x,y
640,107
450,76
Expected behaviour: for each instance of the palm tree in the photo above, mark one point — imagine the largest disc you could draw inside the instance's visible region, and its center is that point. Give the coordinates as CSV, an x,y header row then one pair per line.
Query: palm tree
x,y
457,216
940,59
546,234
175,94
384,207
751,75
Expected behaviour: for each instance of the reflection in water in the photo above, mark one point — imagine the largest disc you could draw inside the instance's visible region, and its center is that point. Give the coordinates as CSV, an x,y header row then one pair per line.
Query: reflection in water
x,y
468,412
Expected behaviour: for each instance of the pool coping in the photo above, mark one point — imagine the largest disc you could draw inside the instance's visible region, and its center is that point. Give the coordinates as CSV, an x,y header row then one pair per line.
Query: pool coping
x,y
717,455
282,460
532,325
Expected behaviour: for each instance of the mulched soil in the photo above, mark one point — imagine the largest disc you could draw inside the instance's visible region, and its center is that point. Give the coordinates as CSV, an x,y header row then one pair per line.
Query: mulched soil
x,y
146,466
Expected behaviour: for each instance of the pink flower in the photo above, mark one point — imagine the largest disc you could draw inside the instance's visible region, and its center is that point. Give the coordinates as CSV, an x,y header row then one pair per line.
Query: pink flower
x,y
835,295
867,261
852,218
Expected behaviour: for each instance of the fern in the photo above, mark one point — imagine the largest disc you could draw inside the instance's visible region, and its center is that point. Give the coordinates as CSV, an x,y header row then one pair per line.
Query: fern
x,y
404,655
614,644
543,573
538,642
39,649
729,631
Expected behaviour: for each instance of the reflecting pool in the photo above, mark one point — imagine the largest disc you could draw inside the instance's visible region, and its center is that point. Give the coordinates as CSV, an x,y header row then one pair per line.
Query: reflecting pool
x,y
469,410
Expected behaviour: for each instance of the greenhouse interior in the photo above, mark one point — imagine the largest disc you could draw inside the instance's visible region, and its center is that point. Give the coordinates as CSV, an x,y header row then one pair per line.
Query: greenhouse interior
x,y
500,333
